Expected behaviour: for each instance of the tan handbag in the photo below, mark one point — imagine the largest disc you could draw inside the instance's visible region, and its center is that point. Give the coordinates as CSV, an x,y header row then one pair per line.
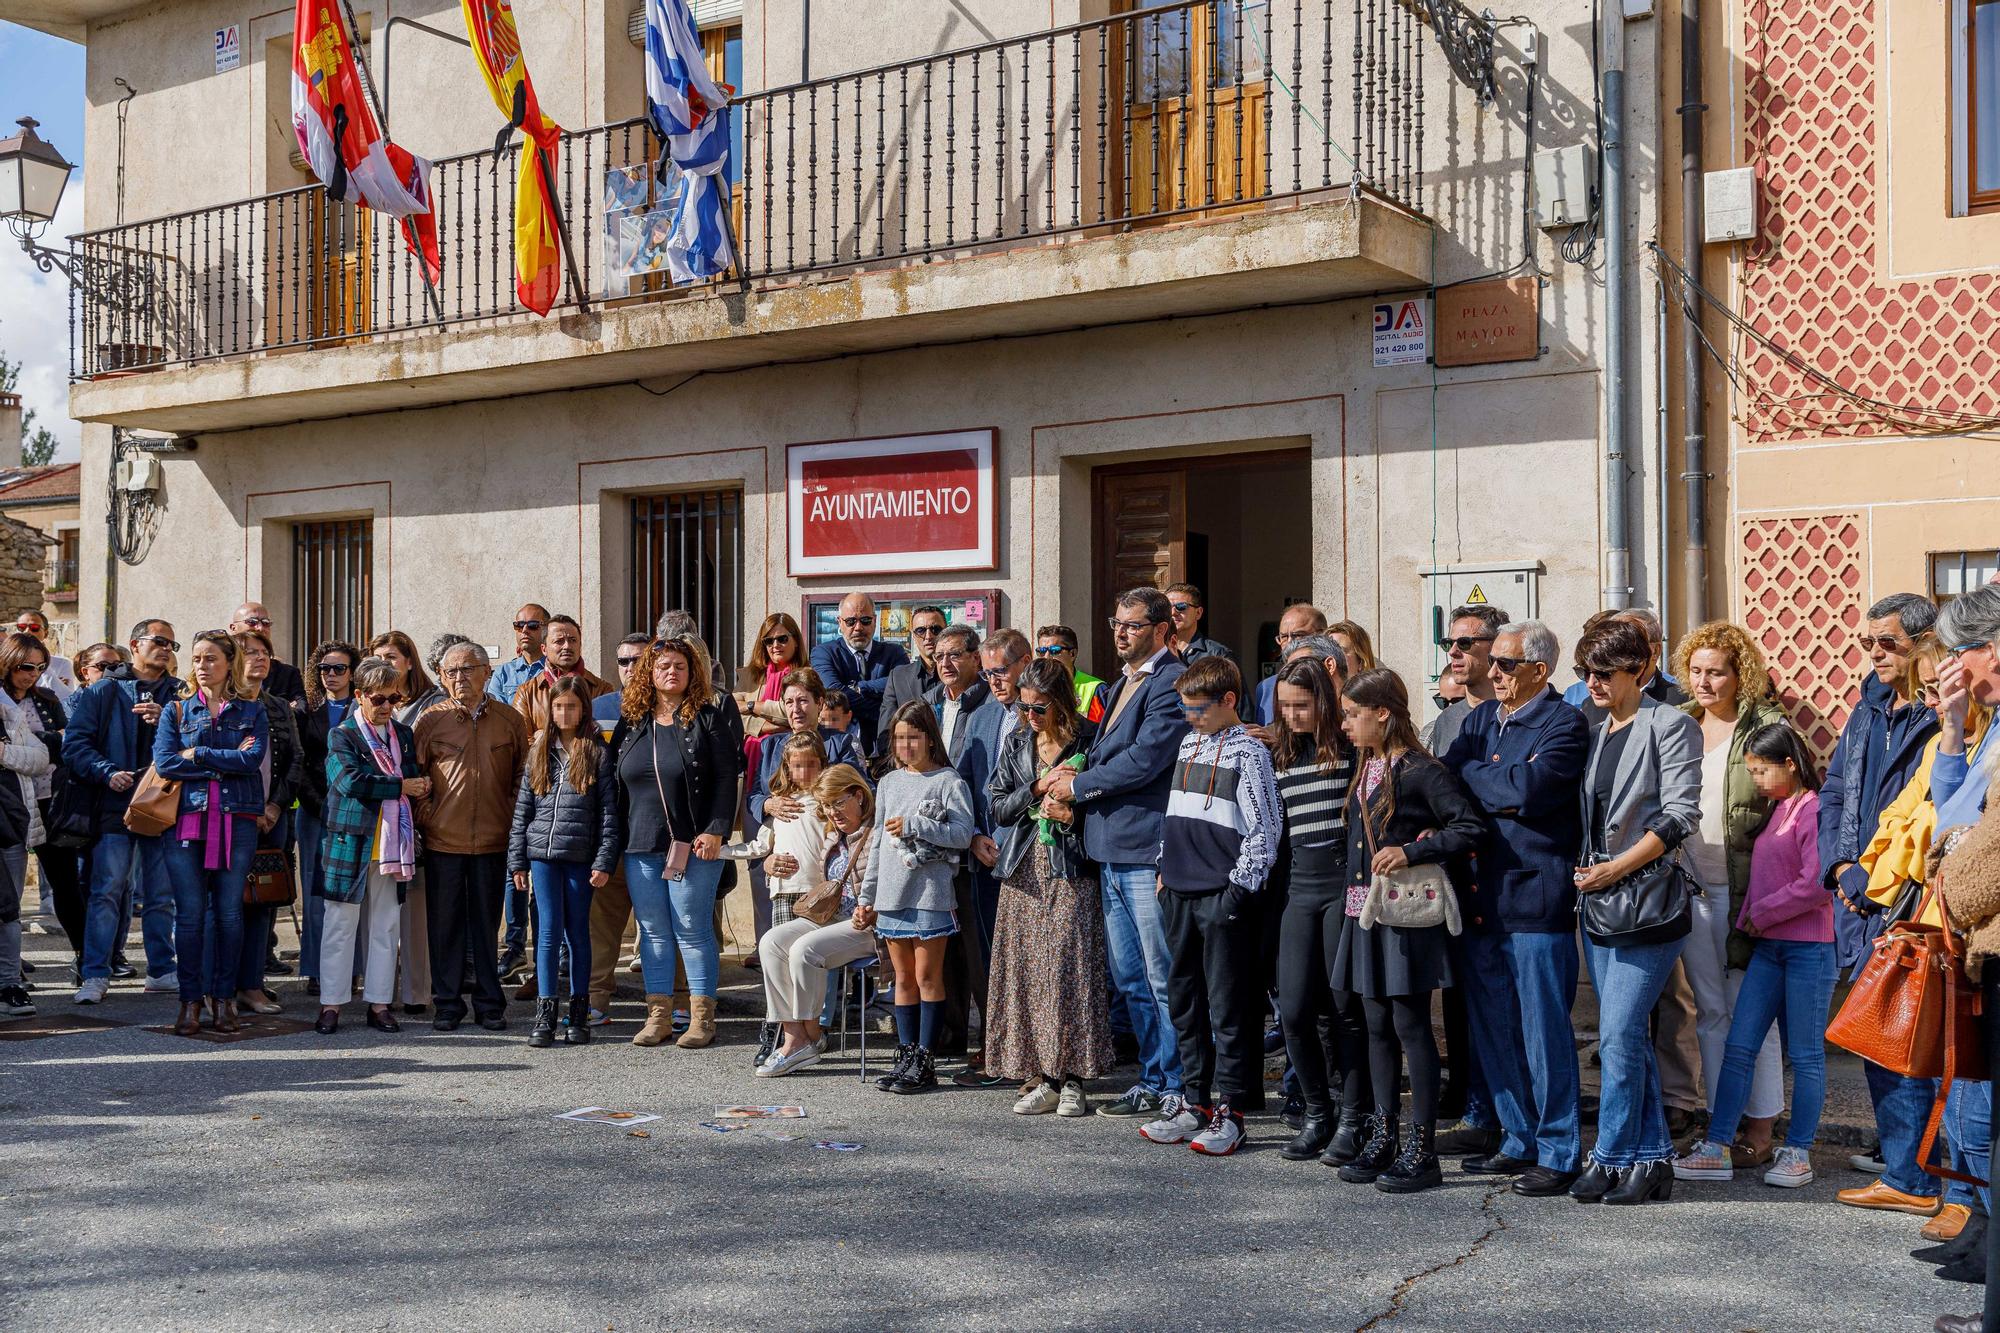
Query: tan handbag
x,y
821,905
156,802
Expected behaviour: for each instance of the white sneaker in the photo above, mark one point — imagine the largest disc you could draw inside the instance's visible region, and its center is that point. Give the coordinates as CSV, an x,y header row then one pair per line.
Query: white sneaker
x,y
1791,1168
1707,1160
777,1067
162,985
1073,1102
92,990
1178,1121
1223,1136
1038,1100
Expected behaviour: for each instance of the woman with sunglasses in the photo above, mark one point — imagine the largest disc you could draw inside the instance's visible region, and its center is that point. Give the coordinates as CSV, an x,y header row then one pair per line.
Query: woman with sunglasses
x,y
329,698
27,757
1049,1025
25,662
94,661
779,648
1725,673
678,760
283,766
213,742
1641,801
419,692
371,845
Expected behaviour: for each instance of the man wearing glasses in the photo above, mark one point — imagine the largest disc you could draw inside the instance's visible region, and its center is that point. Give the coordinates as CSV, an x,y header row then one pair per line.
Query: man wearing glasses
x,y
1126,778
531,625
858,664
285,680
60,676
1188,608
108,744
1060,642
912,680
1468,650
1300,621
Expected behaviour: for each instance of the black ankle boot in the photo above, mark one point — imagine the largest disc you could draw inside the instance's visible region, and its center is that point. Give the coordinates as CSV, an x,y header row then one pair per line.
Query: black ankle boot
x,y
543,1033
1644,1181
1377,1155
577,1031
1596,1181
767,1042
1315,1132
888,1081
1416,1168
1348,1137
919,1075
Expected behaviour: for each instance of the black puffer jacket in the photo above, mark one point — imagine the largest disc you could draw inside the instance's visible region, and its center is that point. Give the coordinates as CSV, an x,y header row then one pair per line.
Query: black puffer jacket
x,y
568,825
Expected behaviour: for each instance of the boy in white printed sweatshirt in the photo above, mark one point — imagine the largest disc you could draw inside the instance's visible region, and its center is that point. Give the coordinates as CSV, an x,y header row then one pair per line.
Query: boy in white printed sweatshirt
x,y
1220,839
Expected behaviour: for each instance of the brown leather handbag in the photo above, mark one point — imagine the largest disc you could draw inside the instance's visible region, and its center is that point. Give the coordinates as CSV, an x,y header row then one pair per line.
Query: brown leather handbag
x,y
155,804
1911,1001
270,882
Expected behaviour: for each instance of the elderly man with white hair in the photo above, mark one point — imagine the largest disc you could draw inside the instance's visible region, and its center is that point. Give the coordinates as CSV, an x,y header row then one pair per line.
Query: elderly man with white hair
x,y
1521,754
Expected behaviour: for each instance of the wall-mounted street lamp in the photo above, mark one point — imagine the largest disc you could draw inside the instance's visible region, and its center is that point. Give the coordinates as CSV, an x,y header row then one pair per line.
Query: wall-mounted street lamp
x,y
33,176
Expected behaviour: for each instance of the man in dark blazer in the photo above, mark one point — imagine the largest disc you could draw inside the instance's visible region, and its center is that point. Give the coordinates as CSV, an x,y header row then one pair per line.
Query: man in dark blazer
x,y
916,678
1522,754
1123,787
858,663
969,718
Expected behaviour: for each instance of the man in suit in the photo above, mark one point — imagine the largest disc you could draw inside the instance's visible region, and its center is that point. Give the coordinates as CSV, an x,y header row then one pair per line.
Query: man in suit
x,y
912,680
1127,773
857,663
285,681
1521,754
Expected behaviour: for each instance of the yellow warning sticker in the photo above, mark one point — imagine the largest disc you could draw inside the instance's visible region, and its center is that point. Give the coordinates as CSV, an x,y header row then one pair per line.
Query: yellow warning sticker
x,y
1477,597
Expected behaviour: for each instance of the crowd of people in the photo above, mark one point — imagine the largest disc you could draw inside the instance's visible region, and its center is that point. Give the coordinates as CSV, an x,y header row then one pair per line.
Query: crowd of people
x,y
1180,868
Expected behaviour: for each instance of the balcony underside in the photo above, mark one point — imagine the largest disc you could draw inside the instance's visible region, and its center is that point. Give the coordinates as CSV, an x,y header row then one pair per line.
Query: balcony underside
x,y
1289,253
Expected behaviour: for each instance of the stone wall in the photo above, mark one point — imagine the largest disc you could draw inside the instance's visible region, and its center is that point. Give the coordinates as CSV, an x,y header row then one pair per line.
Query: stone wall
x,y
23,563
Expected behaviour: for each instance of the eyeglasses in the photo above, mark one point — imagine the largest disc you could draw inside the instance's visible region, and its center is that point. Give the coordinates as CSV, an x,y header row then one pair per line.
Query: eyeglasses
x,y
994,675
1510,664
1889,643
1032,710
384,700
1956,649
527,626
1052,650
256,622
856,622
628,661
1588,674
1464,644
457,671
926,631
1182,608
333,669
953,657
1132,627
774,640
160,641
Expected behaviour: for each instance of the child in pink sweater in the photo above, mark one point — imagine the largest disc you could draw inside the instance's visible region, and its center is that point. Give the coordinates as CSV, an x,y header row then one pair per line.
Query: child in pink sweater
x,y
1789,912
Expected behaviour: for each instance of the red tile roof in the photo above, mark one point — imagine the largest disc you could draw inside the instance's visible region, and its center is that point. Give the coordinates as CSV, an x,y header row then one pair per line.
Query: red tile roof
x,y
56,482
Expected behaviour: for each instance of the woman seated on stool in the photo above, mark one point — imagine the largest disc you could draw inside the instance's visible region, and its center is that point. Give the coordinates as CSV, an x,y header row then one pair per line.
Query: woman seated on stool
x,y
797,954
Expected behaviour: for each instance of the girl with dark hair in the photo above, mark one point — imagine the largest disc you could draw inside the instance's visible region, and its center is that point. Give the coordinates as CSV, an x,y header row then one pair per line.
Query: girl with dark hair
x,y
1789,915
923,820
1050,1023
1404,808
564,842
213,742
1315,768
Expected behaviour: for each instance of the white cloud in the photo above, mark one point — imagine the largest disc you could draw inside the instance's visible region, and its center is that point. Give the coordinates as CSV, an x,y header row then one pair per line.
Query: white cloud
x,y
34,323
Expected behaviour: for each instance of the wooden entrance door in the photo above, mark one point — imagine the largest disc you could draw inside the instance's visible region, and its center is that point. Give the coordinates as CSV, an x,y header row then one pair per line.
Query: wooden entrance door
x,y
1196,110
1141,536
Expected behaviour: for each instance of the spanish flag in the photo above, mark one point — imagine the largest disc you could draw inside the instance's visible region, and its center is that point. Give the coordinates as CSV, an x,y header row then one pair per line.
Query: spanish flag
x,y
537,237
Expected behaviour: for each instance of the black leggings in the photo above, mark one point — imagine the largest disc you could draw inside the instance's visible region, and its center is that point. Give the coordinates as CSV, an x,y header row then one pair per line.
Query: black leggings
x,y
62,880
1399,1029
1325,1035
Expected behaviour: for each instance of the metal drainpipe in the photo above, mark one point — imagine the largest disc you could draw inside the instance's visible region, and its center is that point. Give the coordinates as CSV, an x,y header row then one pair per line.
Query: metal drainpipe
x,y
1661,321
1611,196
1694,421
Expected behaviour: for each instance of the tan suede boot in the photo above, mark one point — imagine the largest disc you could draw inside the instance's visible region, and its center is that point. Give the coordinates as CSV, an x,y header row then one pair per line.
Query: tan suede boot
x,y
659,1021
701,1023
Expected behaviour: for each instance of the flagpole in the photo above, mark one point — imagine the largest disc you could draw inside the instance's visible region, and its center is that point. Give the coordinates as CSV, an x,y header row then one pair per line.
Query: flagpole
x,y
382,123
562,225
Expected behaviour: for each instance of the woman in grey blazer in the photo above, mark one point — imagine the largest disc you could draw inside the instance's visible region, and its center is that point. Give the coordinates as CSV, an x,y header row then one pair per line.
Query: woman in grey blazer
x,y
1641,798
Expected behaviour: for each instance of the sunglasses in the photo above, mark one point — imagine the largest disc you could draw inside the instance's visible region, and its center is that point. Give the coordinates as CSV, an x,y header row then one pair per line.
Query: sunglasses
x,y
1929,694
160,641
1032,710
28,626
527,625
1465,644
628,661
1181,608
777,639
1590,673
1889,643
37,667
1956,649
1510,664
257,622
994,675
856,622
333,669
926,631
1051,650
384,700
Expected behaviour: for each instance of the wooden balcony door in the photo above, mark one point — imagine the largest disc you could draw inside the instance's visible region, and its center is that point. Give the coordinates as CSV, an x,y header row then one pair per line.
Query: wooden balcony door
x,y
338,241
1196,110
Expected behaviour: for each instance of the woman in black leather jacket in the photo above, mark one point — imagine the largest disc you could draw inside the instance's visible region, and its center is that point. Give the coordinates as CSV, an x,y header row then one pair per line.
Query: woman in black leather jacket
x,y
1048,1024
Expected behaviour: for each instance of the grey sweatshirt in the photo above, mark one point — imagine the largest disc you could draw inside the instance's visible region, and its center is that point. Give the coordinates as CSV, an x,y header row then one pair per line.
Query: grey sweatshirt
x,y
936,810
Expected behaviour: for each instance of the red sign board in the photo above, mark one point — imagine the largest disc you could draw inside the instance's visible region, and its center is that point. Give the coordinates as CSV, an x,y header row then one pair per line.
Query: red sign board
x,y
903,504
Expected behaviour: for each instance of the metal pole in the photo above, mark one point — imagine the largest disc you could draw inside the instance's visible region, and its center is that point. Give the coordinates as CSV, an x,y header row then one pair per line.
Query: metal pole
x,y
1694,417
382,122
1611,195
562,225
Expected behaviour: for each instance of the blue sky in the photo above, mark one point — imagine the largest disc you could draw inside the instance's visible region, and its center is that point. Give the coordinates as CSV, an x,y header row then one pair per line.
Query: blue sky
x,y
41,76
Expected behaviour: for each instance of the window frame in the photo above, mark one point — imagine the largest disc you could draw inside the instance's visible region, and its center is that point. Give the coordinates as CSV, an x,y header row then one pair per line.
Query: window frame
x,y
1963,75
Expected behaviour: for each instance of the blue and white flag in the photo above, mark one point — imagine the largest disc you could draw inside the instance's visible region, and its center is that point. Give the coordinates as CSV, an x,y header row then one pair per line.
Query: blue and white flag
x,y
690,112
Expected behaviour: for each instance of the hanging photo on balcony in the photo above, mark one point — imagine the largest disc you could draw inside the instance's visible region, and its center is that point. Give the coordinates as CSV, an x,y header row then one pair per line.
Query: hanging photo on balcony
x,y
901,504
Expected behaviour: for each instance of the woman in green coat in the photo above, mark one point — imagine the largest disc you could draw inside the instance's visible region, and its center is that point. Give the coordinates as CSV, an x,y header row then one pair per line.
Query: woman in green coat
x,y
1729,686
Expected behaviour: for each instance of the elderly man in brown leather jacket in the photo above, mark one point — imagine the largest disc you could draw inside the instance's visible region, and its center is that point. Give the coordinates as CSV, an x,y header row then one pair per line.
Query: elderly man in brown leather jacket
x,y
472,747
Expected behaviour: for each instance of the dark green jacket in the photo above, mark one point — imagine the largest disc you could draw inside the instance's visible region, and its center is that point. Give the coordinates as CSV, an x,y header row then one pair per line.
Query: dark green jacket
x,y
1746,814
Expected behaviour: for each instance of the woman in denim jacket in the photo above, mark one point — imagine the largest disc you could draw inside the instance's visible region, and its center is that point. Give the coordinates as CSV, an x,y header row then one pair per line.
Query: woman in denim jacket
x,y
213,743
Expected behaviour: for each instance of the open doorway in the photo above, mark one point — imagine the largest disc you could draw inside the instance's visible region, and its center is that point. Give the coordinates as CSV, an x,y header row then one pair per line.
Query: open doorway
x,y
1238,526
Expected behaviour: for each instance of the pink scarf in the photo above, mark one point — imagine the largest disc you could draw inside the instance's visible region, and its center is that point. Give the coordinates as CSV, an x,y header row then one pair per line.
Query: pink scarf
x,y
395,852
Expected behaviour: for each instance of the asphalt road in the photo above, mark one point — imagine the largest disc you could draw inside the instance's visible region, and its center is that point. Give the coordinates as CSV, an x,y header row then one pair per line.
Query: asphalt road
x,y
421,1181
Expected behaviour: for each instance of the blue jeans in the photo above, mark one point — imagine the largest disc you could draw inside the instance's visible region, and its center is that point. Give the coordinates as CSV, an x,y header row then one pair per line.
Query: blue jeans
x,y
1136,946
1789,982
1968,1124
678,911
562,912
1631,1119
312,833
198,892
115,860
1902,1108
515,909
1518,993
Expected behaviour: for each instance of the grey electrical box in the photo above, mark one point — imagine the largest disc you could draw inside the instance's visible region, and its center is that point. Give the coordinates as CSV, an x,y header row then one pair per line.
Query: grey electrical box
x,y
1729,205
1564,179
